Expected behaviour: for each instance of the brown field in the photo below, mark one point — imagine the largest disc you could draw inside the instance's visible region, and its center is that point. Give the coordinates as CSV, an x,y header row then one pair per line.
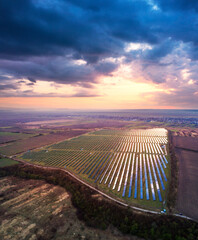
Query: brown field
x,y
186,148
74,123
34,209
38,141
23,129
50,121
188,143
47,133
101,124
6,137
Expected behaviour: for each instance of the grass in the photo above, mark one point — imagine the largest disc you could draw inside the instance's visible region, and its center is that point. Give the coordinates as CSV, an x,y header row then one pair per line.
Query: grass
x,y
21,135
5,162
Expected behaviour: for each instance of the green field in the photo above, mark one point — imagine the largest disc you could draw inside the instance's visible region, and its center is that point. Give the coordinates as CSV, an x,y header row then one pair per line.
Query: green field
x,y
4,162
14,136
115,161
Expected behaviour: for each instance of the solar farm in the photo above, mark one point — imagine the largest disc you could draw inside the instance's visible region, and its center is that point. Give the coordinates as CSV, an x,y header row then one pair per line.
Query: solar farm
x,y
130,164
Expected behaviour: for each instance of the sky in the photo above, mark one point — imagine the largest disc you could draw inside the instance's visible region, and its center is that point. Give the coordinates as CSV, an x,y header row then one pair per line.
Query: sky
x,y
104,54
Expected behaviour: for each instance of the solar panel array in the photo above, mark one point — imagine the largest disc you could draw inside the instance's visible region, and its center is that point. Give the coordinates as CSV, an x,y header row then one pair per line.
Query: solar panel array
x,y
130,162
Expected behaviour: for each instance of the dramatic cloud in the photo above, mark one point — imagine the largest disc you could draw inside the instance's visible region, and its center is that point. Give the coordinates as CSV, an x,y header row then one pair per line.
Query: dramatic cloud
x,y
184,97
57,69
181,4
7,86
75,42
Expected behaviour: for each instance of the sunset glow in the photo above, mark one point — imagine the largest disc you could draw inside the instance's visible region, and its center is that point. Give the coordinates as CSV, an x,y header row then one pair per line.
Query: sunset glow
x,y
143,59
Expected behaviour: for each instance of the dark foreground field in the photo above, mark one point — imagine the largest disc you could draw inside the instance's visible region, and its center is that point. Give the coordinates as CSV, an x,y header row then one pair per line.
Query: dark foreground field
x,y
34,209
187,154
92,208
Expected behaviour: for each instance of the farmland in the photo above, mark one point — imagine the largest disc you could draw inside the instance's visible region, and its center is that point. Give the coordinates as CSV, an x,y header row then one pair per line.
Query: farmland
x,y
39,140
7,162
129,164
187,154
34,209
13,136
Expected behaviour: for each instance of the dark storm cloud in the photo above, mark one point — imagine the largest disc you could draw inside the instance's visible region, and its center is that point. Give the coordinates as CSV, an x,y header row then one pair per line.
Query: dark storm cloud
x,y
21,81
30,84
31,30
3,78
152,55
159,51
106,67
59,69
31,79
56,69
192,50
178,4
93,29
7,86
40,39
